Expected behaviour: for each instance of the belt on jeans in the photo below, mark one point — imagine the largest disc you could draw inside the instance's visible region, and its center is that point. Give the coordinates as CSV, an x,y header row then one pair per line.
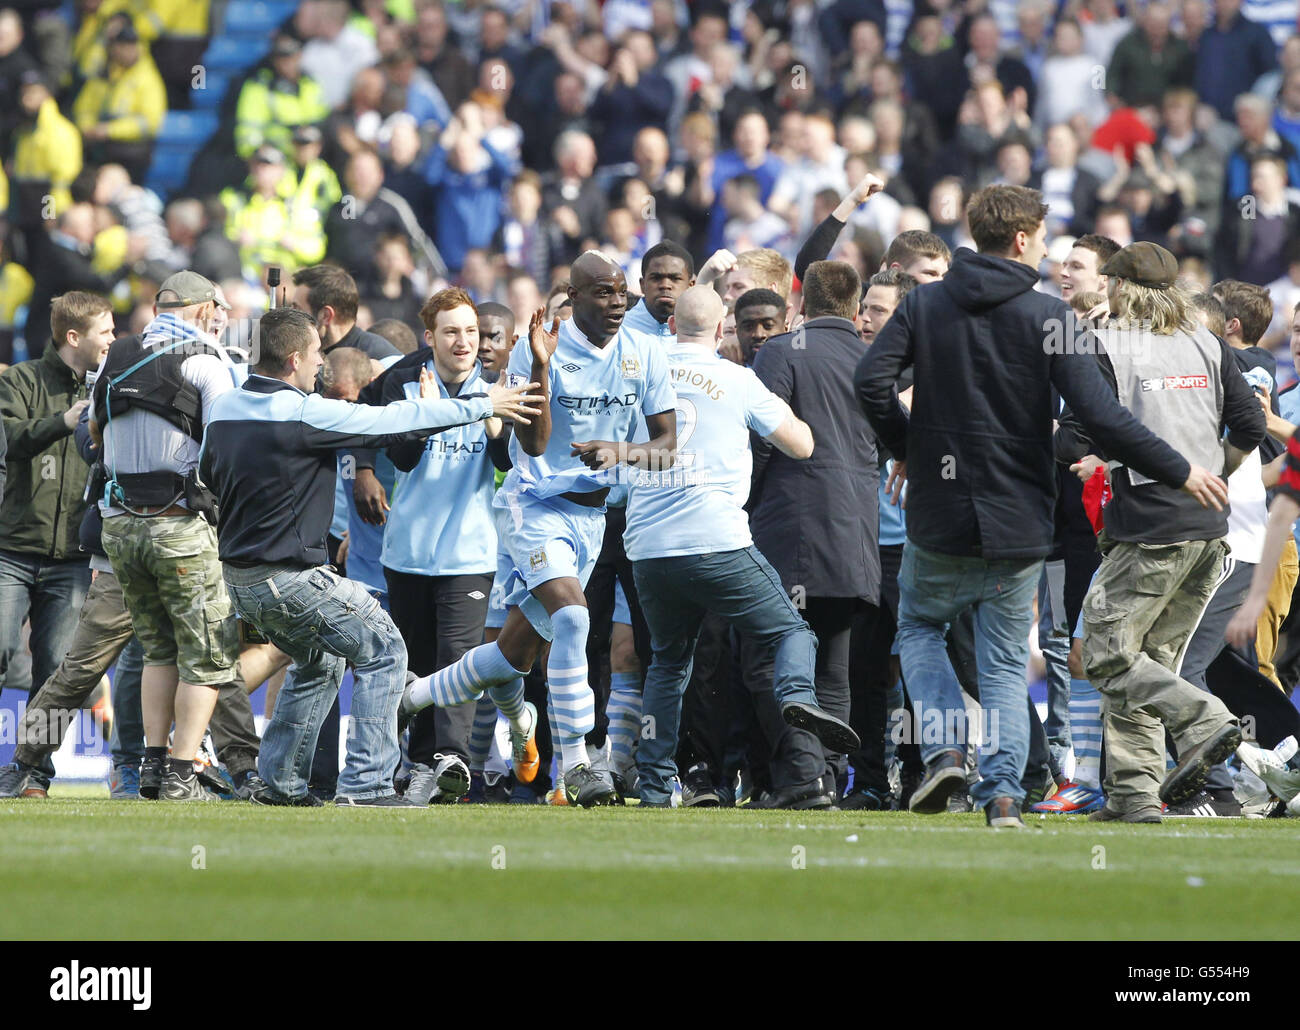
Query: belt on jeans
x,y
590,499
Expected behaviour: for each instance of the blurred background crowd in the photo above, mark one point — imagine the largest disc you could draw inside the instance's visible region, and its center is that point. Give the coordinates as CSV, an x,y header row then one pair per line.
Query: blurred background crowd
x,y
420,143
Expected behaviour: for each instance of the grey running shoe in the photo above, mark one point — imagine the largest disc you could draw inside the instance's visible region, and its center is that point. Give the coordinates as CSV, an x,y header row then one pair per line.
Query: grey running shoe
x,y
176,787
383,801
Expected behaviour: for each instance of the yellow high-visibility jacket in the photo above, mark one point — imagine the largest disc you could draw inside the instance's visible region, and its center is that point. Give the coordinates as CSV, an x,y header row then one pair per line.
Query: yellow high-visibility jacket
x,y
130,101
89,55
16,286
316,185
49,150
270,108
182,17
271,231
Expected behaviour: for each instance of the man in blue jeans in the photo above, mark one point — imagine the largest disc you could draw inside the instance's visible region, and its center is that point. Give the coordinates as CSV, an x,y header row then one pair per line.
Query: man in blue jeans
x,y
683,526
44,574
976,453
268,452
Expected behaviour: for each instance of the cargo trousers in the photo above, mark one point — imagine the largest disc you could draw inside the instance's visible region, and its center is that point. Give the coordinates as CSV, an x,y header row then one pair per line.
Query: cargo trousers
x,y
1137,618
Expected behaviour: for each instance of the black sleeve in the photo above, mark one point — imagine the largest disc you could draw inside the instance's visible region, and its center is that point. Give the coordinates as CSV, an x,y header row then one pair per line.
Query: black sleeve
x,y
383,389
1077,375
81,435
1241,415
875,381
818,245
1071,440
404,456
499,450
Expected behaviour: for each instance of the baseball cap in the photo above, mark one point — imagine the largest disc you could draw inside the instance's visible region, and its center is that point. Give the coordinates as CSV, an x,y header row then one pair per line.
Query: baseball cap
x,y
306,134
285,46
186,288
35,77
267,155
126,33
1146,264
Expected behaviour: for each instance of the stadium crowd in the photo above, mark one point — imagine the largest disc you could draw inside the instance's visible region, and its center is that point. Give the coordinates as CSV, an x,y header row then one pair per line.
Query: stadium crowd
x,y
476,209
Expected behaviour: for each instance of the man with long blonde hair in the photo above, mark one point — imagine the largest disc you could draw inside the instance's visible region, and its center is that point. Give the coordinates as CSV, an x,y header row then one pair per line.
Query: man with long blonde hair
x,y
1162,552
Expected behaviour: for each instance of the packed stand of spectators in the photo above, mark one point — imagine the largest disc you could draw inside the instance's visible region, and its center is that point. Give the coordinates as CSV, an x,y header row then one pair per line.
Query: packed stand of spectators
x,y
383,152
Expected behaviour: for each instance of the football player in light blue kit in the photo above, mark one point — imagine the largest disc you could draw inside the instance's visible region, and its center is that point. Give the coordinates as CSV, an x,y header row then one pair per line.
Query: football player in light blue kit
x,y
596,379
691,551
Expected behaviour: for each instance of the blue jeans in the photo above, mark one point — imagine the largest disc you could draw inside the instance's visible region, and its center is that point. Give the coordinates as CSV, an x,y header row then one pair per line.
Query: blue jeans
x,y
128,724
324,623
675,594
933,590
51,594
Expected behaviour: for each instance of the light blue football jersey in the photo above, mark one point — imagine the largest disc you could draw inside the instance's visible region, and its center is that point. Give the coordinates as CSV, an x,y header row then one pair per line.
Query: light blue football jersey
x,y
697,506
596,394
441,514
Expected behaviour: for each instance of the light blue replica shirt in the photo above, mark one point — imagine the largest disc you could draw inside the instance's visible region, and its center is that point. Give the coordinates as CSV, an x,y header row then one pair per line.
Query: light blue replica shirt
x,y
697,506
596,394
639,322
365,542
441,511
893,521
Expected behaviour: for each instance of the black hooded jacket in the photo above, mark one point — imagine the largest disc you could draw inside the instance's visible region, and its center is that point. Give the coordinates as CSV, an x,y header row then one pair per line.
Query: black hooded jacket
x,y
987,349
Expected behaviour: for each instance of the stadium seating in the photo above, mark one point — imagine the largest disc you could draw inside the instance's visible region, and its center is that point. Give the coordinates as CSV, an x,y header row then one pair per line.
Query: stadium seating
x,y
183,134
230,54
255,19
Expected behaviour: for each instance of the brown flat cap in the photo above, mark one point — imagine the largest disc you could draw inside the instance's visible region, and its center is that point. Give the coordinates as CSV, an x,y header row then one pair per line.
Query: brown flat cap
x,y
1146,264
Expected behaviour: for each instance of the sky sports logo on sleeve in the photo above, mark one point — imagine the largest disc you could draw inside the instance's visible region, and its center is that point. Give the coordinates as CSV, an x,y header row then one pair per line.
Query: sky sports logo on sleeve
x,y
1195,382
103,983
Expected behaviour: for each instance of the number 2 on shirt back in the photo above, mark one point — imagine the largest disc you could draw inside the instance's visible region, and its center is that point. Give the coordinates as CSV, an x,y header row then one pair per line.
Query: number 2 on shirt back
x,y
687,418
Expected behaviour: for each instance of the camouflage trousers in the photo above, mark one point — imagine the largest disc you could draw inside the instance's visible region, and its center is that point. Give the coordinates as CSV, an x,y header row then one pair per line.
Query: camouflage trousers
x,y
171,582
1137,618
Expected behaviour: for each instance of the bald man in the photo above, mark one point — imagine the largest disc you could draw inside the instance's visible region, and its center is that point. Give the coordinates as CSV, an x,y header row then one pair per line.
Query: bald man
x,y
596,377
692,555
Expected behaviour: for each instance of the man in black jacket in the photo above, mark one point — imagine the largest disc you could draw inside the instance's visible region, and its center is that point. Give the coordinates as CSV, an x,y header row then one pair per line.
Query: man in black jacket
x,y
816,520
976,452
329,295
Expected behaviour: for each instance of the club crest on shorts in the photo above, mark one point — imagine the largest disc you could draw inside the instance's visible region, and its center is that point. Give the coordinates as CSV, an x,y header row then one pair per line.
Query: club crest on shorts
x,y
537,560
632,368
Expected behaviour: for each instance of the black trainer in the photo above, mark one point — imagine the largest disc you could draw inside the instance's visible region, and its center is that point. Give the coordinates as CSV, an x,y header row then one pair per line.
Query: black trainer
x,y
944,776
835,734
802,800
1004,814
151,778
265,794
247,783
865,800
1207,805
1193,768
697,788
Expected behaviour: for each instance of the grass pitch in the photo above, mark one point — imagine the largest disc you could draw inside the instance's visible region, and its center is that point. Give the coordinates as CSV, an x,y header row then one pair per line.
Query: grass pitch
x,y
87,868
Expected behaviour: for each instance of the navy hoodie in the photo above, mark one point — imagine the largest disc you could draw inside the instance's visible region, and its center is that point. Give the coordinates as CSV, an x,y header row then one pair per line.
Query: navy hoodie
x,y
987,348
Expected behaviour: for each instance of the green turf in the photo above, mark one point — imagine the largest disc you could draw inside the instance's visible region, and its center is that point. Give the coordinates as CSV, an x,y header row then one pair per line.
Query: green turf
x,y
90,868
